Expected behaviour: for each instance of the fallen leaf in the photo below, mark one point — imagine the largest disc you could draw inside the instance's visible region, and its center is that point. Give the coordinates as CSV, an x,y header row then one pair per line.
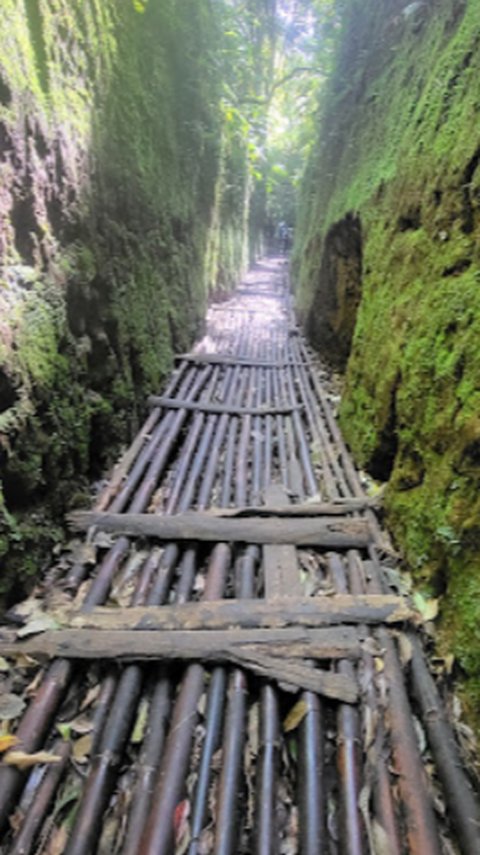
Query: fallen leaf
x,y
202,704
64,730
27,609
103,540
90,697
24,661
405,648
82,748
41,623
11,706
141,723
34,684
4,665
293,748
85,553
443,664
420,734
380,839
180,820
7,741
81,725
295,716
21,760
57,843
427,608
206,842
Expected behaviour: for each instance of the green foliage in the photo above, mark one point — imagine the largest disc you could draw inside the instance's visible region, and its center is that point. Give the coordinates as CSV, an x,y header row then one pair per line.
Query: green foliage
x,y
140,5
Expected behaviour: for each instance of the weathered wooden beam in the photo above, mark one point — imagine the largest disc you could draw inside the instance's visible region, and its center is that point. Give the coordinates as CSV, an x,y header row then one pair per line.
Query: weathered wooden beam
x,y
280,565
220,409
85,644
226,359
293,643
337,508
328,533
250,614
337,687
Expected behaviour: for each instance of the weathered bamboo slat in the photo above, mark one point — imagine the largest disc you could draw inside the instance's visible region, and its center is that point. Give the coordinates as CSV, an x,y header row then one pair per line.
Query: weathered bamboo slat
x,y
216,645
330,534
220,409
250,614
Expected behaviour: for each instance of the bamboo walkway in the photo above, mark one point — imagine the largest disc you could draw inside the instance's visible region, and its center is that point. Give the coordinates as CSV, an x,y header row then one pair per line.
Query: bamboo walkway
x,y
223,664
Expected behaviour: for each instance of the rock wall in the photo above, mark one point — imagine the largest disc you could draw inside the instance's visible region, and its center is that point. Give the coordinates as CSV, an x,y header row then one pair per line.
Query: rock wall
x,y
112,180
387,264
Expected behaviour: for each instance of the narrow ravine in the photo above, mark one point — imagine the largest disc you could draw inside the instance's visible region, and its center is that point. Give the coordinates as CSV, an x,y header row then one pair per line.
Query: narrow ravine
x,y
311,746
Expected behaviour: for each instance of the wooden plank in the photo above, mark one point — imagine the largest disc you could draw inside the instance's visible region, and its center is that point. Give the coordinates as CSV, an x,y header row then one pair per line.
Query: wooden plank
x,y
220,409
337,687
226,359
339,508
78,644
211,645
280,565
250,614
328,533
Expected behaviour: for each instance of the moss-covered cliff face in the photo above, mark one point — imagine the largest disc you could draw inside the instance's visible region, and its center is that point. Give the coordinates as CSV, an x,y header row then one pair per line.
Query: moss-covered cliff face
x,y
388,270
112,180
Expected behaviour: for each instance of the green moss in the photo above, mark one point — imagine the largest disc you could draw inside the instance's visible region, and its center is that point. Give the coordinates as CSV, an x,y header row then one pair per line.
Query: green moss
x,y
398,147
127,204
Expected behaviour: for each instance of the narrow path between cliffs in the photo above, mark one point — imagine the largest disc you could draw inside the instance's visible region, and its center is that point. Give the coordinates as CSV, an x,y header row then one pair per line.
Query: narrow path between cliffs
x,y
224,662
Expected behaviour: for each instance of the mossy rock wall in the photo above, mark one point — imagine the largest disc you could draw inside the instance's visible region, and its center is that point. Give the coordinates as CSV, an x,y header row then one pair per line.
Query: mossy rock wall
x,y
113,225
398,154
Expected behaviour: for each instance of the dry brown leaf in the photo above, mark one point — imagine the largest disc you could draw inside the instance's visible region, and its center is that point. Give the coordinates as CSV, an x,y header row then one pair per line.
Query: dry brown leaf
x,y
443,664
82,748
90,697
206,842
380,839
28,608
181,827
86,553
34,684
405,648
22,760
22,661
8,740
81,725
58,841
295,716
11,706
